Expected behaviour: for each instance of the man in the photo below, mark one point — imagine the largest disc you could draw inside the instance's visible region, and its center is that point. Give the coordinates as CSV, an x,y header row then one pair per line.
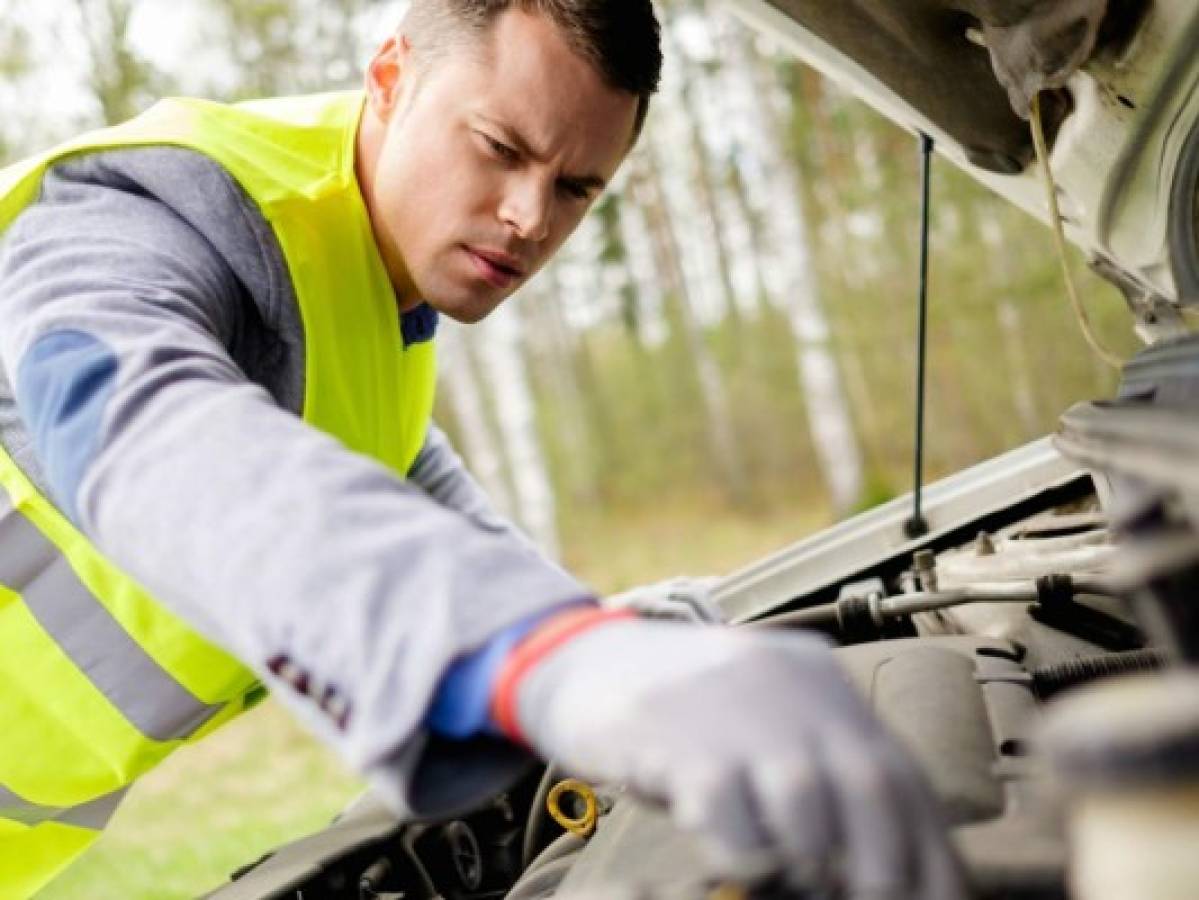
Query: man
x,y
215,327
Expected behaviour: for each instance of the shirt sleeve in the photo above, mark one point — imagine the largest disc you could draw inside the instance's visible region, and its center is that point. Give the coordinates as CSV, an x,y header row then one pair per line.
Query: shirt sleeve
x,y
440,471
267,535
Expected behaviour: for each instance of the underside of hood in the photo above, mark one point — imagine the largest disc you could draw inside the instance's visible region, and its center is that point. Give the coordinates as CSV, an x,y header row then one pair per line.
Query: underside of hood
x,y
972,66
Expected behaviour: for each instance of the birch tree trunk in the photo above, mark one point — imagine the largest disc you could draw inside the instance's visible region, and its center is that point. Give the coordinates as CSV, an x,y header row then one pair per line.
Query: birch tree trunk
x,y
823,187
833,434
702,179
722,440
540,311
742,209
503,367
649,284
459,378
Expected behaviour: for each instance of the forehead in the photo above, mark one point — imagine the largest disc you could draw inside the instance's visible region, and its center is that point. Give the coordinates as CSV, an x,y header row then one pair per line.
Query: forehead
x,y
526,74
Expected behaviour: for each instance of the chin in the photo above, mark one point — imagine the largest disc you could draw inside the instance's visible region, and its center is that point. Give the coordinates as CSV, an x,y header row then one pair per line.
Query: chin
x,y
466,307
466,315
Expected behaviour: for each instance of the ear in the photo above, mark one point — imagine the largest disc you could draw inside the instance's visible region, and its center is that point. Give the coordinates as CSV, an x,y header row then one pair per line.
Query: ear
x,y
384,75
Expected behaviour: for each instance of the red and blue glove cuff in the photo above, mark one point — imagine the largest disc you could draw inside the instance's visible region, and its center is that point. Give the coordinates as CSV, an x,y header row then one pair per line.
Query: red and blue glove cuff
x,y
461,706
536,646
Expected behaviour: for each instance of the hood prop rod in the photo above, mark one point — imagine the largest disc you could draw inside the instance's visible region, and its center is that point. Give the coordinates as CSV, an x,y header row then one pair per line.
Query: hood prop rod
x,y
916,526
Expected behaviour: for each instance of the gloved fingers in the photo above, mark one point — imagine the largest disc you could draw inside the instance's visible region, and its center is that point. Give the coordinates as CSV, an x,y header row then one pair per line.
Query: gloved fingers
x,y
670,609
680,599
701,608
696,593
799,811
879,840
690,584
716,803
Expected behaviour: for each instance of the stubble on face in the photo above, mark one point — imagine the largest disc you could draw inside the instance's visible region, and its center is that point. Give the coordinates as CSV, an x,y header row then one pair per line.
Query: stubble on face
x,y
478,165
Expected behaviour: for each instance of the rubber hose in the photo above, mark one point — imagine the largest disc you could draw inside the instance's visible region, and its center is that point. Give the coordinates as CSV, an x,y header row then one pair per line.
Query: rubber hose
x,y
537,816
1049,680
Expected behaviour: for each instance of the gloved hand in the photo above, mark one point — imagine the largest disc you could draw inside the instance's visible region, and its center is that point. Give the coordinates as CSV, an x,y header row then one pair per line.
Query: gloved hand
x,y
755,741
682,599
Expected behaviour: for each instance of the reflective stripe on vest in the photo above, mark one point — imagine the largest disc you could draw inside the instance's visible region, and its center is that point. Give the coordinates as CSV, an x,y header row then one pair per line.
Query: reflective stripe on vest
x,y
142,690
98,681
93,814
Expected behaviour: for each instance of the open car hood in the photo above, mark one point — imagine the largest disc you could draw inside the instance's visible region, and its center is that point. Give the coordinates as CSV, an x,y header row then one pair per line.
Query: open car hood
x,y
1120,113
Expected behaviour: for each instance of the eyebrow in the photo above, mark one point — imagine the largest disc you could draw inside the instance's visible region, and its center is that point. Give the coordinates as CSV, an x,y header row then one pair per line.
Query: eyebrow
x,y
514,137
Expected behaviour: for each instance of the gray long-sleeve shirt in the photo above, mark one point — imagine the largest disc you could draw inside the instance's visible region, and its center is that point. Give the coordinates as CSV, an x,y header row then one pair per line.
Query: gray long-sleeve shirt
x,y
145,287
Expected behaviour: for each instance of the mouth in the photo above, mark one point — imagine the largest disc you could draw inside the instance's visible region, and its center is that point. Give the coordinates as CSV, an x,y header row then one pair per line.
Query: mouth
x,y
497,269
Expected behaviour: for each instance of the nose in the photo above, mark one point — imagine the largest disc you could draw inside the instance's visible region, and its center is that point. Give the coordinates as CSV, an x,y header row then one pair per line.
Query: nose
x,y
526,207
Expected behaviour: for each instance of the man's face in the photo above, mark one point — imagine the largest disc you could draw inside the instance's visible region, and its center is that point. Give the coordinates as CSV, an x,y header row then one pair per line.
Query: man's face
x,y
478,165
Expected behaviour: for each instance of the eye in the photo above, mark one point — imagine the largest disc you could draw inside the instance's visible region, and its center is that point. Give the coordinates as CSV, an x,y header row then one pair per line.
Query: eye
x,y
574,191
498,148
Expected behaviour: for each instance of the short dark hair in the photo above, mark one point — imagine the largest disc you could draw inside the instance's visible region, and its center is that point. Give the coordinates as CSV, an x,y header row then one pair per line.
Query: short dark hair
x,y
621,38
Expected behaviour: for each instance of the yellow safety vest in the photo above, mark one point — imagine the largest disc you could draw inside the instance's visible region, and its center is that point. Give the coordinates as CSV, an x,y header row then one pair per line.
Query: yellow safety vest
x,y
98,681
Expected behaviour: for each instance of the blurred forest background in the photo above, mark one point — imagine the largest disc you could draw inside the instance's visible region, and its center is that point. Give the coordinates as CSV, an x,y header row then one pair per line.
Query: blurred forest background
x,y
719,362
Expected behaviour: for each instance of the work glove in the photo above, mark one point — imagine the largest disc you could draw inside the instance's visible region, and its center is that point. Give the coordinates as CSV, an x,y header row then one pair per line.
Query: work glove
x,y
754,741
682,599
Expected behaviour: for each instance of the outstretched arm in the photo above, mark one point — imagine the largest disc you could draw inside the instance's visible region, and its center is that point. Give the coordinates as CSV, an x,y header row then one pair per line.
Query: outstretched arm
x,y
118,322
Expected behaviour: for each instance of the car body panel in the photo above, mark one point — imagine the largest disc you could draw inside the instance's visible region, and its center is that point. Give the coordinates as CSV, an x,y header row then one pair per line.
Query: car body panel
x,y
837,554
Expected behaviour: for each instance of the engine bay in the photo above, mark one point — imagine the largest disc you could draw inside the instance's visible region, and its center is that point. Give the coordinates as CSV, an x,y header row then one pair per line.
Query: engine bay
x,y
1040,585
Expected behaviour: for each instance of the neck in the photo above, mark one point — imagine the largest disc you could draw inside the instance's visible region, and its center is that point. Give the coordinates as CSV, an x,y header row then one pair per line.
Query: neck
x,y
368,145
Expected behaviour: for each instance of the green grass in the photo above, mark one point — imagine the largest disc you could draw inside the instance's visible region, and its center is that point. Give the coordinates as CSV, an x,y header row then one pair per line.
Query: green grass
x,y
209,809
692,535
